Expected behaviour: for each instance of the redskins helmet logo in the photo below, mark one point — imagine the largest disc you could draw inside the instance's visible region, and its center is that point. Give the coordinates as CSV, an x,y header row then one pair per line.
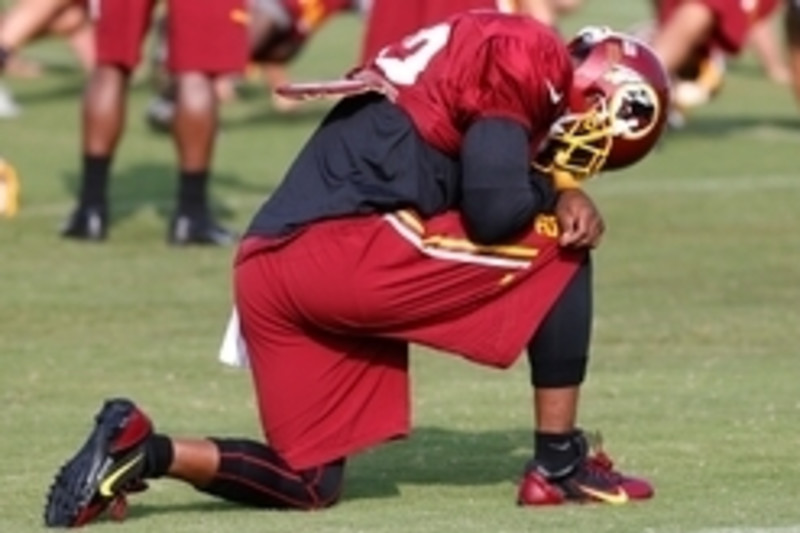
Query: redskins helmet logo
x,y
635,110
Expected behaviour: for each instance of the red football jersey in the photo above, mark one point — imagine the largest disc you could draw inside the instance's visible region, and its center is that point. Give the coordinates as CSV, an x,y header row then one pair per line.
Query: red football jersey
x,y
479,65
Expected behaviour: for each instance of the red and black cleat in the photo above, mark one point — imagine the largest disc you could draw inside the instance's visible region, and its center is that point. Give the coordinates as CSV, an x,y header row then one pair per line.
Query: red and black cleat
x,y
592,480
107,467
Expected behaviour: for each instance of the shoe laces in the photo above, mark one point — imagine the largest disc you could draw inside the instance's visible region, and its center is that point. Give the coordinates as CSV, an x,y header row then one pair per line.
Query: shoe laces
x,y
597,464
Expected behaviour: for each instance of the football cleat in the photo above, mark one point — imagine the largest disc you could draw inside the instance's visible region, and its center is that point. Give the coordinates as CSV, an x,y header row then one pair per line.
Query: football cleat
x,y
198,229
107,467
592,479
86,223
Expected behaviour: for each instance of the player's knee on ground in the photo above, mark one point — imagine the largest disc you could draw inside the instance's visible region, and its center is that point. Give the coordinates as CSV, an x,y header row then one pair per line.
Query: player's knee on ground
x,y
559,351
253,474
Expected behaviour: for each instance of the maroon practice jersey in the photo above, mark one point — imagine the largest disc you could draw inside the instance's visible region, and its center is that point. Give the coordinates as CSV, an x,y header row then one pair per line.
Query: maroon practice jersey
x,y
479,65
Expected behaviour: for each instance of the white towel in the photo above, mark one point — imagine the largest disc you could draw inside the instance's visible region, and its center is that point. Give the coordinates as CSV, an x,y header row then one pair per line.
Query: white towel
x,y
233,351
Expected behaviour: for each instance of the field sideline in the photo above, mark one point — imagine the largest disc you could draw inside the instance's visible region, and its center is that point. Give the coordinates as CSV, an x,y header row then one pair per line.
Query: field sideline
x,y
695,361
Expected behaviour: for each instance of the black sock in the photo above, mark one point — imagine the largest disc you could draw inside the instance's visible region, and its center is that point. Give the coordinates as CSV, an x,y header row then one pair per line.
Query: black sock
x,y
192,192
252,473
557,453
95,180
4,55
158,456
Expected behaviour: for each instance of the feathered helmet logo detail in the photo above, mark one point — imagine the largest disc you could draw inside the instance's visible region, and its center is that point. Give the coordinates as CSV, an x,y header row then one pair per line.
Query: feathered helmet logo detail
x,y
634,107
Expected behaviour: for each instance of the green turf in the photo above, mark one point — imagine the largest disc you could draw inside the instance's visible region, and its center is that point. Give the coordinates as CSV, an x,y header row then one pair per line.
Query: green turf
x,y
694,371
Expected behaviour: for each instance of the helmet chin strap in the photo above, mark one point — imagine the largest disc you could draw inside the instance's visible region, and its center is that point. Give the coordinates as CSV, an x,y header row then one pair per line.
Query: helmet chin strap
x,y
563,180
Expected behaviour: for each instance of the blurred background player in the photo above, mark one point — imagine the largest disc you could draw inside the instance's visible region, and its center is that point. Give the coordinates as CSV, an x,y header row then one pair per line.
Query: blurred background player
x,y
27,20
206,39
278,32
694,37
792,29
280,29
389,20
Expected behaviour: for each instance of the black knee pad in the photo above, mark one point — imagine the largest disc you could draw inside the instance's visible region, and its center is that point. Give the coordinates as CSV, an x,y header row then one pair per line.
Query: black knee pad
x,y
559,350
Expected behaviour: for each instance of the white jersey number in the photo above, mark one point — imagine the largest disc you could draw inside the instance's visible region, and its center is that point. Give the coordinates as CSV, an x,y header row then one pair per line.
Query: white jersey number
x,y
421,46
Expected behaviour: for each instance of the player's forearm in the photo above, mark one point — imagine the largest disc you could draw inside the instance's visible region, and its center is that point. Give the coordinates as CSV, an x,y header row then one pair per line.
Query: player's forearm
x,y
498,198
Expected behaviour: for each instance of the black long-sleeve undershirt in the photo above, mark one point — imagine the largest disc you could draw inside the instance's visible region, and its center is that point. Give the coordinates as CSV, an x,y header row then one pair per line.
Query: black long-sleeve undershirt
x,y
500,194
367,156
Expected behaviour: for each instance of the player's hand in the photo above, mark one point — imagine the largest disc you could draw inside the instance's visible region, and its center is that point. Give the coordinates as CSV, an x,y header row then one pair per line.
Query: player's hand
x,y
580,221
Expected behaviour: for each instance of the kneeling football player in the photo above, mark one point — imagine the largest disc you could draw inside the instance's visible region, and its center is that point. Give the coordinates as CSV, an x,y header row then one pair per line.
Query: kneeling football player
x,y
413,215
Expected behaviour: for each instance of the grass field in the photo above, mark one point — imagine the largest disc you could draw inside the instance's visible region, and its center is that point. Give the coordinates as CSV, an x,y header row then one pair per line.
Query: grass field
x,y
694,376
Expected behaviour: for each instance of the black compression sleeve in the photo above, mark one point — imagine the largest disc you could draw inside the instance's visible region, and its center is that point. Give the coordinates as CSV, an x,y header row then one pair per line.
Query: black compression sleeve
x,y
254,474
559,351
499,195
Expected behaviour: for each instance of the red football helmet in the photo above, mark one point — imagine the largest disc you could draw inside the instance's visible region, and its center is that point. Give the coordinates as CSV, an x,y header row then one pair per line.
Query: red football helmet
x,y
617,106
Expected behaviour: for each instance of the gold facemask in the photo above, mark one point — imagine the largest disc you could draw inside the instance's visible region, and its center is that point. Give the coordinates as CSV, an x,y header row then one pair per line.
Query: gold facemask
x,y
577,147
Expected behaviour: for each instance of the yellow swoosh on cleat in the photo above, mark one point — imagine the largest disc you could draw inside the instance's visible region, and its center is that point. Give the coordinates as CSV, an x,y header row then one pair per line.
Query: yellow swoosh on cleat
x,y
619,497
107,486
